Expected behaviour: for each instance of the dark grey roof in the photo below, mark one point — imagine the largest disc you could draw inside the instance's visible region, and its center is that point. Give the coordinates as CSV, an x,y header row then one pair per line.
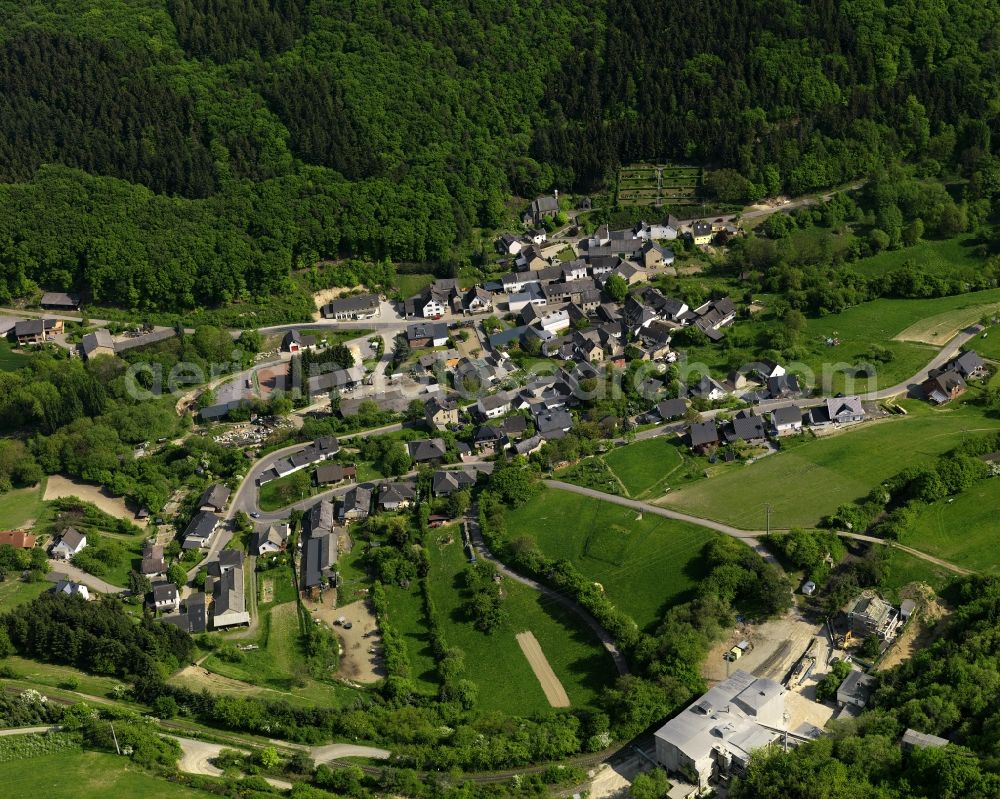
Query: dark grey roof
x,y
319,554
164,592
72,537
672,408
358,498
967,363
152,337
215,495
396,493
702,433
30,327
787,414
426,449
99,339
749,428
202,525
447,482
318,519
431,330
59,299
359,302
554,421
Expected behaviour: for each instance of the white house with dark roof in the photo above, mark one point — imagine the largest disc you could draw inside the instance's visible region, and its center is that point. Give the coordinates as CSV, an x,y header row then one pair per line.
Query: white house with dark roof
x,y
786,420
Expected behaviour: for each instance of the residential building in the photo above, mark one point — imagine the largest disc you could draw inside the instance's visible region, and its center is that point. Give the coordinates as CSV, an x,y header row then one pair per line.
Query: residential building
x,y
427,334
153,563
164,597
786,420
708,388
71,542
969,365
396,496
445,483
553,424
493,406
17,539
921,740
358,306
703,436
333,473
487,439
194,616
426,450
869,615
715,736
842,410
944,387
321,449
294,342
35,331
229,599
439,412
272,539
537,236
214,498
856,689
97,343
653,256
200,530
783,386
69,588
434,301
529,446
701,232
356,504
748,427
671,409
477,300
508,245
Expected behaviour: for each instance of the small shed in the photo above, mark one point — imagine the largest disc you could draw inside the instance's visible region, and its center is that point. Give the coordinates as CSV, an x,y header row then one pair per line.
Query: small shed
x,y
906,608
808,588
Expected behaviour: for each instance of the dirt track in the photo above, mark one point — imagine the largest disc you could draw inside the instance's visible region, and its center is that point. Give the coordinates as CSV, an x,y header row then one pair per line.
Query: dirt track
x,y
554,691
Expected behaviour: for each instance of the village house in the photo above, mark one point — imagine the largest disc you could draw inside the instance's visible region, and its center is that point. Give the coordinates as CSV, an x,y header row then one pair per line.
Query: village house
x,y
98,343
439,412
492,406
944,387
844,410
701,232
396,496
786,420
228,598
358,306
653,256
153,563
445,483
708,388
70,588
200,530
333,473
356,504
856,689
477,300
17,539
295,342
508,245
487,439
427,334
164,597
71,542
670,409
194,617
214,498
746,427
703,436
319,547
969,365
272,539
36,331
426,450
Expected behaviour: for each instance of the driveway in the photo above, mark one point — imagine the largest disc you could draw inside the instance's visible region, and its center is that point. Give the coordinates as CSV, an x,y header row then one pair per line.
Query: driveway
x,y
63,570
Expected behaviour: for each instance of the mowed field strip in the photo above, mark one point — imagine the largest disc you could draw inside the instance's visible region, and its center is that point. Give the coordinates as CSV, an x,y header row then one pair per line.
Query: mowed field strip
x,y
551,686
941,328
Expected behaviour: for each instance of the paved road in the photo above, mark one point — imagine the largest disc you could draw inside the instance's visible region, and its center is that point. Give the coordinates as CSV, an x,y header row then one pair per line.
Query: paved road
x,y
61,568
949,351
603,635
752,212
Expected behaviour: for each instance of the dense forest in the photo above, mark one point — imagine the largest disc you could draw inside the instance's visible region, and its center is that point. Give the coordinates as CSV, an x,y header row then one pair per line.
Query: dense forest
x,y
170,155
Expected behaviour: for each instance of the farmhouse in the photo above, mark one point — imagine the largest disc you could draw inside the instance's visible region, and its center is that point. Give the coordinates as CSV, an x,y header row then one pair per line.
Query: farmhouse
x,y
97,343
715,736
71,542
360,306
319,546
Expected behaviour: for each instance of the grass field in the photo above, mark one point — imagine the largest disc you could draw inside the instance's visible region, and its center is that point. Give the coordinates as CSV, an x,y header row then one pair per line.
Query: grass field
x,y
946,258
10,359
14,592
903,569
407,615
644,465
810,481
21,505
495,662
943,327
276,494
86,775
963,531
57,676
644,564
409,285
